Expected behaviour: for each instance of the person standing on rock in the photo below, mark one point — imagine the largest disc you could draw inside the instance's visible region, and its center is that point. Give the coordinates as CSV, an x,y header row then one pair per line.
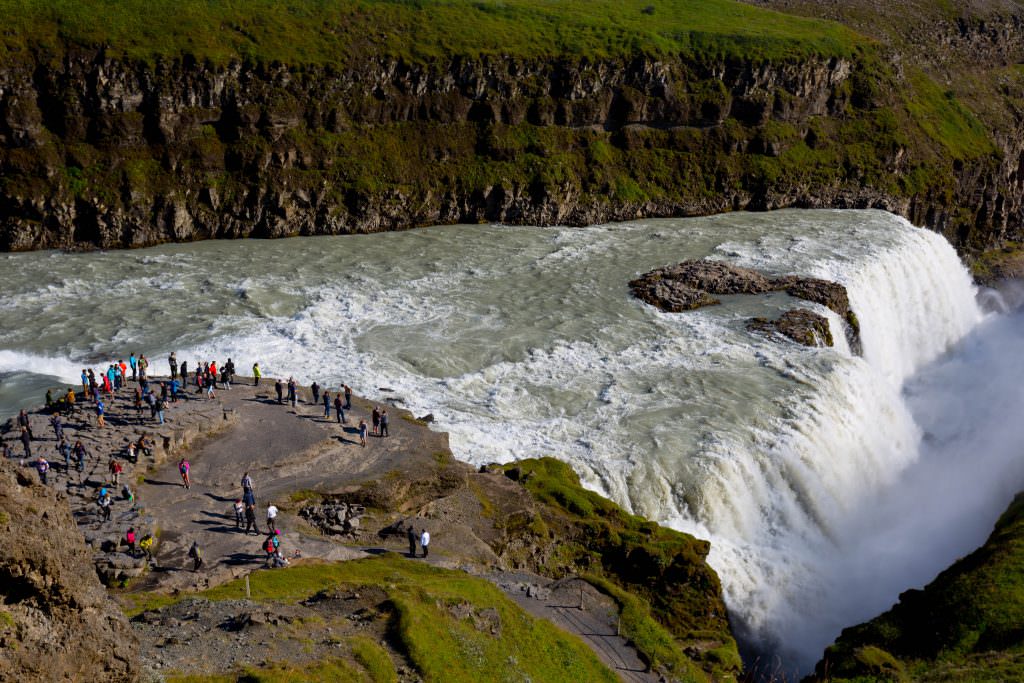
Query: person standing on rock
x,y
239,513
279,388
42,467
80,453
376,421
100,408
143,366
247,486
129,540
327,405
271,518
293,396
316,392
64,448
348,396
197,556
105,502
184,375
135,367
69,402
424,540
173,362
115,469
26,442
183,469
250,519
384,422
411,535
256,374
362,433
146,545
338,409
24,422
160,406
58,426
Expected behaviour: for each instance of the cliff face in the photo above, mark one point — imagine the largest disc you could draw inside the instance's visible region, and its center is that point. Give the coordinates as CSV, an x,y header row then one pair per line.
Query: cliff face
x,y
56,621
103,152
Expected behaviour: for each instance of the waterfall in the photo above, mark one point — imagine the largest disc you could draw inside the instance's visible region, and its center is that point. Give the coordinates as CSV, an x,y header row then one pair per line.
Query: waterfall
x,y
781,546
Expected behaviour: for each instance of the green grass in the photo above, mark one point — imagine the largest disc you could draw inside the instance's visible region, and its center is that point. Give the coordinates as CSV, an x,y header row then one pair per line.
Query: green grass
x,y
428,604
323,672
946,120
374,658
338,31
669,598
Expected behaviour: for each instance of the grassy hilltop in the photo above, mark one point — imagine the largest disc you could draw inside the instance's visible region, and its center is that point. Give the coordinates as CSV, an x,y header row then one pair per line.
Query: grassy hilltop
x,y
336,32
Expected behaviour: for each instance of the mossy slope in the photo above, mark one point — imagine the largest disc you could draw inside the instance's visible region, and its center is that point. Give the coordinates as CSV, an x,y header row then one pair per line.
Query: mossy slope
x,y
670,599
967,625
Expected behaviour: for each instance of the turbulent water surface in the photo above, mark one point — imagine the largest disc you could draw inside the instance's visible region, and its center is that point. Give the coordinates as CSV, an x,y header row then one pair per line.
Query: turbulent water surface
x,y
828,483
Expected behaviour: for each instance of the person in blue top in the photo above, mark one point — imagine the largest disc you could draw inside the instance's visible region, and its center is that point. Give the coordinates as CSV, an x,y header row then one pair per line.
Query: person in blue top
x,y
135,366
100,422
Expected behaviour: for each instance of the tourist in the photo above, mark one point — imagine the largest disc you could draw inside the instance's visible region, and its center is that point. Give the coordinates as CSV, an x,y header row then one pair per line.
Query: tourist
x,y
129,540
128,496
338,409
211,382
271,517
327,405
69,402
146,445
85,382
362,433
58,426
183,469
159,407
105,503
26,442
172,360
293,397
376,421
23,421
316,392
100,422
80,453
196,555
256,374
135,366
411,535
184,375
146,545
239,513
250,520
133,452
115,469
246,483
42,467
64,449
425,541
143,366
279,388
348,397
270,546
49,400
384,422
212,370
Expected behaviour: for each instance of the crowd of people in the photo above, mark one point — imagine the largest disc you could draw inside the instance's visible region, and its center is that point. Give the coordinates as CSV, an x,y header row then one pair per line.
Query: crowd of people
x,y
103,390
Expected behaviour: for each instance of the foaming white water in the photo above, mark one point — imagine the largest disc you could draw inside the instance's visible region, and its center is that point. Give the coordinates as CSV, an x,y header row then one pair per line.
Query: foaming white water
x,y
63,369
525,342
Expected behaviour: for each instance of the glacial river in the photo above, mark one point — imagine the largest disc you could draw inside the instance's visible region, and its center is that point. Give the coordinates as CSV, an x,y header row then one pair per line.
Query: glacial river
x,y
828,483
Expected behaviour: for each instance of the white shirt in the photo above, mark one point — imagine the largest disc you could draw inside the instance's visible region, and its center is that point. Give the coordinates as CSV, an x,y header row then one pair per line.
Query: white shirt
x,y
425,538
271,512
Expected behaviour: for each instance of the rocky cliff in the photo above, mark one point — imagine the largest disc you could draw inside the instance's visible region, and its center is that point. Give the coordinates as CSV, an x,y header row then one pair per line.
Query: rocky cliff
x,y
56,621
102,149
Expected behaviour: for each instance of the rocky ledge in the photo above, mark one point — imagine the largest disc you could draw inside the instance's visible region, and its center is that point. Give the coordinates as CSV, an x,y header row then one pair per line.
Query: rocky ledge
x,y
690,285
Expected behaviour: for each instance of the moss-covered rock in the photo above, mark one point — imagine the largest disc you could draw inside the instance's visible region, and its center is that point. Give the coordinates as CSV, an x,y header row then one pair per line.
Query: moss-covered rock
x,y
967,625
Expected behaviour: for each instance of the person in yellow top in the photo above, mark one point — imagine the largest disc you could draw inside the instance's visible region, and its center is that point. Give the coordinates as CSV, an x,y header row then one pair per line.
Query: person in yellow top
x,y
69,401
256,374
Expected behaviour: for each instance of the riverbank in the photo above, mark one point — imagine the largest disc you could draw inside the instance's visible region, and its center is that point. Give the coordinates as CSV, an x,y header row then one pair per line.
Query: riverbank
x,y
650,603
